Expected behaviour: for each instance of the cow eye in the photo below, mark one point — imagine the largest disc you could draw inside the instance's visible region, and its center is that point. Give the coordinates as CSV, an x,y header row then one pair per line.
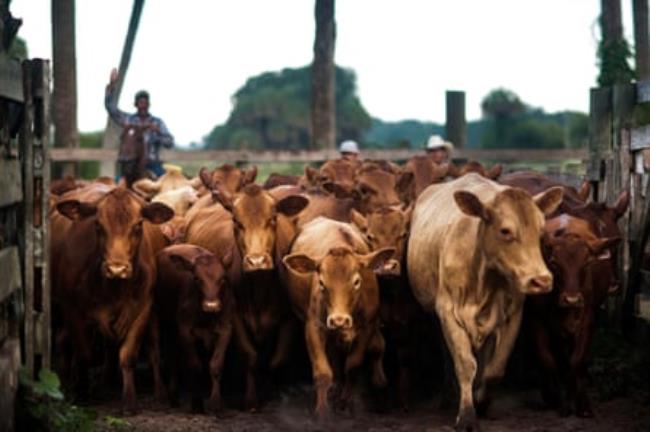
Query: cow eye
x,y
357,283
272,222
371,238
323,179
506,233
321,285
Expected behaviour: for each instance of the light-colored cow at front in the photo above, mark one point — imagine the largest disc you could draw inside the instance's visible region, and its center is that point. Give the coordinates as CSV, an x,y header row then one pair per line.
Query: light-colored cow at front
x,y
473,254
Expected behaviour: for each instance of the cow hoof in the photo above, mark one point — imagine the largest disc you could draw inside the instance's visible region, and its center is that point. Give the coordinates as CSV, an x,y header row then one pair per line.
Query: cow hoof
x,y
467,424
482,406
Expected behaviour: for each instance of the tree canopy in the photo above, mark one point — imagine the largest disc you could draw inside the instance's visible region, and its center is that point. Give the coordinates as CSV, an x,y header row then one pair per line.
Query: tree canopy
x,y
272,111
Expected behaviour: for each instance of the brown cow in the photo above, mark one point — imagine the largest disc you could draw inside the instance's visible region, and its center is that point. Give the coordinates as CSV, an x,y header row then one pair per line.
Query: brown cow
x,y
334,292
473,254
103,272
563,321
476,167
260,228
535,182
375,188
336,176
417,174
171,180
401,316
274,180
194,305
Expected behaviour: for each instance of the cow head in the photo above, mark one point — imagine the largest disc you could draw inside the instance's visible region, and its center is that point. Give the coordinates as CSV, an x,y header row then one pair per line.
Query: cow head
x,y
387,227
375,188
254,213
476,167
338,281
336,177
119,218
208,271
570,250
510,232
418,173
227,177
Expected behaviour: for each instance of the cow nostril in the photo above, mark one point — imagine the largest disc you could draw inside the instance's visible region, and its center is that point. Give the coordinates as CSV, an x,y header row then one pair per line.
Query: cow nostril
x,y
336,321
211,306
572,299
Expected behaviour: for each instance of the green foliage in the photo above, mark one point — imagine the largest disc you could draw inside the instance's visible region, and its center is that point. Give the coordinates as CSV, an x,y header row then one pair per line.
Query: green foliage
x,y
613,63
90,170
272,111
409,133
18,49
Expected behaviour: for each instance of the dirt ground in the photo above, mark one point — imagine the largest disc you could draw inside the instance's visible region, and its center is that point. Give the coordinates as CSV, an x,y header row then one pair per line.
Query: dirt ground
x,y
512,411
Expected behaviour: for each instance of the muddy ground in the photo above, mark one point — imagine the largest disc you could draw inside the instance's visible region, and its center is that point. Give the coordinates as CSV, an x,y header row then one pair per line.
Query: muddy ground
x,y
512,411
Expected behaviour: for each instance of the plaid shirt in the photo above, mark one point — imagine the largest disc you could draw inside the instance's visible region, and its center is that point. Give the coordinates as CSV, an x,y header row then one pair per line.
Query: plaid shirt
x,y
154,140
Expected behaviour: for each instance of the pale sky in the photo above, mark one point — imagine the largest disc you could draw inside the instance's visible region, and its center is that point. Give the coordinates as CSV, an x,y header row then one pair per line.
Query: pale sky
x,y
193,55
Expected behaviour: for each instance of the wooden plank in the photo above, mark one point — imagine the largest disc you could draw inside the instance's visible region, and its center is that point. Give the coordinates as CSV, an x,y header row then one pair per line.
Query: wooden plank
x,y
9,364
11,79
11,190
640,138
600,134
643,91
456,123
10,271
211,156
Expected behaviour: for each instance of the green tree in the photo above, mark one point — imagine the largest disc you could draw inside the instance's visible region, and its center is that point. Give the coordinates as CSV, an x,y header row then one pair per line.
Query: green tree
x,y
501,106
613,49
272,111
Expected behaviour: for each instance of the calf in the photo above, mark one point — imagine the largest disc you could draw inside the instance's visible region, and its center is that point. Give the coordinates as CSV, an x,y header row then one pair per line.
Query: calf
x,y
194,305
417,174
563,321
103,272
473,254
334,292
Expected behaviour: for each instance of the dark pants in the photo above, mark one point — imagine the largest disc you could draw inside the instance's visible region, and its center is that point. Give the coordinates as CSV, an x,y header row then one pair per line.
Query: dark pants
x,y
130,170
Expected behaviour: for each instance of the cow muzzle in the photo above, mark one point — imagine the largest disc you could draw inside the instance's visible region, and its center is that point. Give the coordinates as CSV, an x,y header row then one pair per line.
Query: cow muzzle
x,y
539,284
254,262
115,270
211,306
338,321
391,268
571,300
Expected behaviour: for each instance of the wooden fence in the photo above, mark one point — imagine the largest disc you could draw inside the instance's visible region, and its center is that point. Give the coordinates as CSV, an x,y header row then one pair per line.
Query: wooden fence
x,y
24,247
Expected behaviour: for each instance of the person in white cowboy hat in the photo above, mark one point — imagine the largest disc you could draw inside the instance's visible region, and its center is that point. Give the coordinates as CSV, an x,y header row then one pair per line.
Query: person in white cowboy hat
x,y
438,149
349,150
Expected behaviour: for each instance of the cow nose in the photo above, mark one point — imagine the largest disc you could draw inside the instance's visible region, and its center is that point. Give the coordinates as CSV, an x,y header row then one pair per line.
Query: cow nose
x,y
540,284
258,262
117,270
390,268
571,300
339,321
211,306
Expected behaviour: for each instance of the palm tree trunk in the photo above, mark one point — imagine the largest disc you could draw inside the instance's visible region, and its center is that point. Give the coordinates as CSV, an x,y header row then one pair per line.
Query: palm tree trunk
x,y
112,131
64,95
323,101
641,39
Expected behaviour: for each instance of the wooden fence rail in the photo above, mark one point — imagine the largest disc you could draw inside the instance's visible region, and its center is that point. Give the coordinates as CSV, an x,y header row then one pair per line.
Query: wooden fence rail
x,y
502,155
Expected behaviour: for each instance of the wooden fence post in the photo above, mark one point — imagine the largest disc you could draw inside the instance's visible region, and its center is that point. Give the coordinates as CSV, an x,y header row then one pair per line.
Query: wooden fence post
x,y
456,123
600,134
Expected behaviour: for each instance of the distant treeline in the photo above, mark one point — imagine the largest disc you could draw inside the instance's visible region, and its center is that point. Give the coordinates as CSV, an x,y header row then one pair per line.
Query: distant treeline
x,y
272,111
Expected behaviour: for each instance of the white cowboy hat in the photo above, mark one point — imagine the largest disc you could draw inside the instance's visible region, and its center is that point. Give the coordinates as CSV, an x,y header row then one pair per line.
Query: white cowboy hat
x,y
349,146
436,142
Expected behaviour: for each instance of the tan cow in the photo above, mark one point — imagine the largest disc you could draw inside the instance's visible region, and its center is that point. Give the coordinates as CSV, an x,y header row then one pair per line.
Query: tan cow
x,y
473,254
334,291
172,179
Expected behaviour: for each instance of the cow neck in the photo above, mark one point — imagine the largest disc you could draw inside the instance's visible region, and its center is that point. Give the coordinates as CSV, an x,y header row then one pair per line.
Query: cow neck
x,y
257,291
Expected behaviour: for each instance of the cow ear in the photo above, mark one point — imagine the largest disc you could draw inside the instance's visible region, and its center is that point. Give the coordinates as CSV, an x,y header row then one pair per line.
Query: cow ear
x,y
181,262
206,177
226,259
76,210
549,200
157,213
365,190
291,205
146,188
404,182
471,205
585,189
620,206
376,260
359,220
249,176
223,197
311,174
300,263
601,246
495,171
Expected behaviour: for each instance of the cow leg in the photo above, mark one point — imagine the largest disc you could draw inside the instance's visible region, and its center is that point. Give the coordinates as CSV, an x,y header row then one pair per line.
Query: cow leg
x,y
465,365
550,381
405,362
495,365
154,358
578,371
128,356
224,333
283,346
193,368
250,354
321,369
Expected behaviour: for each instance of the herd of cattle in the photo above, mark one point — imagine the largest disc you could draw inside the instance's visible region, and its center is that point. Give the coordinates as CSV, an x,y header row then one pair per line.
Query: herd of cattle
x,y
344,261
